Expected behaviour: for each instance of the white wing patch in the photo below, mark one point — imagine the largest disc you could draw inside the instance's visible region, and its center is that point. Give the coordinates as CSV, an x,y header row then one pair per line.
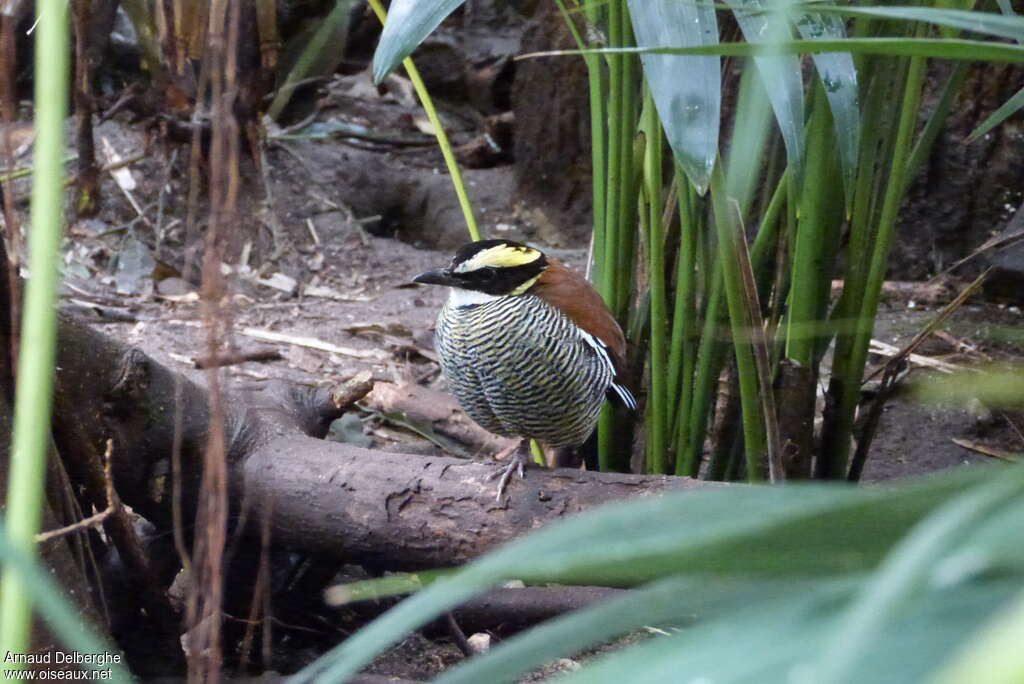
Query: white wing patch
x,y
624,395
600,347
621,391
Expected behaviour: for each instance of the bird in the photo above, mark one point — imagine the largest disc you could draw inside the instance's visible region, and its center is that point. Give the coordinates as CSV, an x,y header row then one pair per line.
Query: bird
x,y
528,346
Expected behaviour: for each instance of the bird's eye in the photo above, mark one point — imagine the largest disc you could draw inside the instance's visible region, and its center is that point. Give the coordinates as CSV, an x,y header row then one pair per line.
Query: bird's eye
x,y
488,272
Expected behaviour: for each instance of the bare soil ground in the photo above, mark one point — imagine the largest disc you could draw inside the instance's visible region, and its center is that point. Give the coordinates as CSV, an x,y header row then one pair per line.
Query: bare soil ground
x,y
916,437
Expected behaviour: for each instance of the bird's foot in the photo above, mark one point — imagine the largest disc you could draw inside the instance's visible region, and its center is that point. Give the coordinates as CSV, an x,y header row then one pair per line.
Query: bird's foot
x,y
517,463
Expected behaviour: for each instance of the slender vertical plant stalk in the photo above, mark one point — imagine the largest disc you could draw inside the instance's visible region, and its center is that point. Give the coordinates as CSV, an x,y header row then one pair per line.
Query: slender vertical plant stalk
x,y
630,174
657,399
537,452
691,427
739,323
442,138
760,345
605,128
615,263
33,398
608,279
767,234
682,343
810,274
598,143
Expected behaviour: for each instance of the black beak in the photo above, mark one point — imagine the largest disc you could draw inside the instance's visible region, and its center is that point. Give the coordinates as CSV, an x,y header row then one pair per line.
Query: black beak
x,y
439,276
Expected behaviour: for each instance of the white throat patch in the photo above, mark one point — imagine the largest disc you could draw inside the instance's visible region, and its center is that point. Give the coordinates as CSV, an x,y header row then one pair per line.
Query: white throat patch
x,y
459,297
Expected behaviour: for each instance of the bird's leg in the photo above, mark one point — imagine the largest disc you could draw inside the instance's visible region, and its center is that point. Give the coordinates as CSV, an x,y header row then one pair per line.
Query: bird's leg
x,y
508,451
517,463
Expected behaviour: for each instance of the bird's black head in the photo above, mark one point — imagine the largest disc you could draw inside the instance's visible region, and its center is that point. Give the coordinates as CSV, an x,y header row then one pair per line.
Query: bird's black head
x,y
494,267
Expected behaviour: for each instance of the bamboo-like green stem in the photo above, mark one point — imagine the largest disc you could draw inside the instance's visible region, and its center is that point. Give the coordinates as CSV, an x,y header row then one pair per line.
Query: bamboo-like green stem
x,y
595,82
615,263
631,173
772,284
760,346
710,354
599,175
33,398
879,257
739,323
608,279
61,615
606,263
442,138
657,399
601,165
810,277
767,232
682,344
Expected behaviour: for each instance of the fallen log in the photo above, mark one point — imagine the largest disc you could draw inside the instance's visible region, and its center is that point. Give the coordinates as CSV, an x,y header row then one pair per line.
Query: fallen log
x,y
413,512
401,511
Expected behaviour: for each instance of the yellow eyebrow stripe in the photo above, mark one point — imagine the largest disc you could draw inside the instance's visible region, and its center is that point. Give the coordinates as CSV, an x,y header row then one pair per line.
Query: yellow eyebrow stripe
x,y
501,256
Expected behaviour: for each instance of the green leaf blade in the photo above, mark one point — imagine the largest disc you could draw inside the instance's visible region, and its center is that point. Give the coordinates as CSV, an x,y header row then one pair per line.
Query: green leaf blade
x,y
689,107
409,22
1000,25
1008,109
839,78
938,48
780,73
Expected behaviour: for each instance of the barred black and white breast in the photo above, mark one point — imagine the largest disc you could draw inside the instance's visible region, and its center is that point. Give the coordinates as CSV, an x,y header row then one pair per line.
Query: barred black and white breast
x,y
521,368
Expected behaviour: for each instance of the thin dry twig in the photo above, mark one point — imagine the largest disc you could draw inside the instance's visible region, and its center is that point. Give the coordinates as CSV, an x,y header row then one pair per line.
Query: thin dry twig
x,y
260,607
235,357
907,352
895,353
1001,454
313,343
83,524
892,374
86,523
206,596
